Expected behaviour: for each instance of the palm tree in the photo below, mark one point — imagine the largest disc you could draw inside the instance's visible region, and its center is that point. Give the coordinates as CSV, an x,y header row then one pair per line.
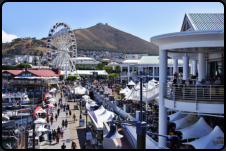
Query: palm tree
x,y
117,69
35,61
44,63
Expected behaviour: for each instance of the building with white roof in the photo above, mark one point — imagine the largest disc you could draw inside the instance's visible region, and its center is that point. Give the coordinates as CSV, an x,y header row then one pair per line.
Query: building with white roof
x,y
147,65
85,62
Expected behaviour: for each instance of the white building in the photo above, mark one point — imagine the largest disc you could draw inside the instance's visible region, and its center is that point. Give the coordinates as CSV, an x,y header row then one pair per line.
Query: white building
x,y
200,41
146,66
113,65
85,62
134,56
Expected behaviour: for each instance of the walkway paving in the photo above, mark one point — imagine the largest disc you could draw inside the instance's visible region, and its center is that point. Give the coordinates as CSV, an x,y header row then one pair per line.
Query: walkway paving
x,y
72,133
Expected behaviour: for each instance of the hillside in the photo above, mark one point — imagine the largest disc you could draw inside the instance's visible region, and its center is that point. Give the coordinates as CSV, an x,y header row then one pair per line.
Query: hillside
x,y
95,38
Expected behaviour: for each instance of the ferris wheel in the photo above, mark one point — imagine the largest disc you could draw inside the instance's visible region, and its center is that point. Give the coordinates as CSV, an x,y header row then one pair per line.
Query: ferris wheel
x,y
61,45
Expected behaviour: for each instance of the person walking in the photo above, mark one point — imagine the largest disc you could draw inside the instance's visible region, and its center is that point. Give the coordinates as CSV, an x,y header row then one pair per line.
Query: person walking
x,y
62,132
66,113
54,134
50,137
51,119
58,111
58,130
56,116
74,116
47,120
63,146
64,106
70,113
73,145
66,123
62,123
84,146
57,137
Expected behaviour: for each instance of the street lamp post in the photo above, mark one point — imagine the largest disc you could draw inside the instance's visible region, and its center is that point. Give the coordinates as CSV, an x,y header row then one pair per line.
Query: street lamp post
x,y
80,109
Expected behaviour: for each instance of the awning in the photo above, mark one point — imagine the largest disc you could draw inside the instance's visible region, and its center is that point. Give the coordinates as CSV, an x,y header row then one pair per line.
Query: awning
x,y
126,90
197,130
176,116
214,140
188,120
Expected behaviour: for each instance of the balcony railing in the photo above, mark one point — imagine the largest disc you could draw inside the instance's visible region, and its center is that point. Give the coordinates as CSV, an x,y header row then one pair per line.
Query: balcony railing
x,y
33,81
194,93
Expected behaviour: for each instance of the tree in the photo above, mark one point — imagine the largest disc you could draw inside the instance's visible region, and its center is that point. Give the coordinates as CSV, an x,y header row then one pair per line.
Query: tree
x,y
8,67
108,69
25,61
117,69
114,75
41,53
105,63
23,65
43,63
35,61
72,78
100,66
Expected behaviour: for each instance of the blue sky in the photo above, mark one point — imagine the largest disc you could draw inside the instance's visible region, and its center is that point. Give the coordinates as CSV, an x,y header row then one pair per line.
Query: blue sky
x,y
141,19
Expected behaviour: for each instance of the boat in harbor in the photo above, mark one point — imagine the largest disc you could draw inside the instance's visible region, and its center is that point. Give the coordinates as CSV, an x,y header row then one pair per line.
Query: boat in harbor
x,y
14,114
15,99
5,117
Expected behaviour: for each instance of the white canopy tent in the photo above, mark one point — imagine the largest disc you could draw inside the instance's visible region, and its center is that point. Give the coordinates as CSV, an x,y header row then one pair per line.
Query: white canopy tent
x,y
99,111
124,90
105,116
40,120
188,120
197,130
85,97
80,90
131,83
176,116
214,140
129,94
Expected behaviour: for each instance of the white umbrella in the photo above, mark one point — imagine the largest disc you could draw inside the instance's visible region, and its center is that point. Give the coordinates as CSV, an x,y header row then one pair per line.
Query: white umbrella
x,y
40,120
41,111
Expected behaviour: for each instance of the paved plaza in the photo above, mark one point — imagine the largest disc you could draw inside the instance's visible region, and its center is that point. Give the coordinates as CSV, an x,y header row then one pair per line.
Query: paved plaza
x,y
72,133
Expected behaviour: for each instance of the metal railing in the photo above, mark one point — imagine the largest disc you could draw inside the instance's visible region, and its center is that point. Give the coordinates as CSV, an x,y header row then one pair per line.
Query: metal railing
x,y
147,94
194,92
33,81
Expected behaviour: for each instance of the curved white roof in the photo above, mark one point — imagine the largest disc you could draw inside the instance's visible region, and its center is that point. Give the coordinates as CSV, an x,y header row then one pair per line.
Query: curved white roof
x,y
176,116
186,121
210,141
197,130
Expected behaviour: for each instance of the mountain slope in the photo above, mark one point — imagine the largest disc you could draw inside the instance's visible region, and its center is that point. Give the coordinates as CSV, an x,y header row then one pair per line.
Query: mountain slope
x,y
95,38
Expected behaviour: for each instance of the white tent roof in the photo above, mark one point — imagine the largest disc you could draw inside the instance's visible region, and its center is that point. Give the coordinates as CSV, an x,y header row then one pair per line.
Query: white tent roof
x,y
126,90
214,140
176,116
42,129
129,94
85,97
99,111
49,95
197,130
80,90
40,120
151,84
131,83
188,120
105,116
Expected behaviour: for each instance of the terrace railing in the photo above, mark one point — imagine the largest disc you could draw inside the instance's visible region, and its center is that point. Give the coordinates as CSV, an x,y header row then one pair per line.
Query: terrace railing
x,y
33,81
194,93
